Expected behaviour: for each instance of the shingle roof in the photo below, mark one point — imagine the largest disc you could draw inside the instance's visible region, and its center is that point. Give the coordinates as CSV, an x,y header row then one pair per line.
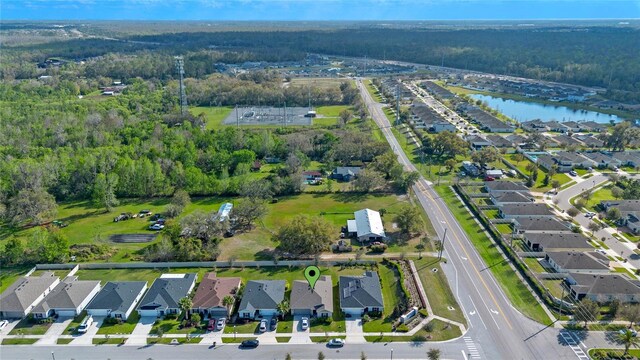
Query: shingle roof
x,y
532,209
212,290
117,296
504,186
540,224
320,298
603,284
262,294
576,260
360,291
559,240
69,294
512,197
166,292
24,292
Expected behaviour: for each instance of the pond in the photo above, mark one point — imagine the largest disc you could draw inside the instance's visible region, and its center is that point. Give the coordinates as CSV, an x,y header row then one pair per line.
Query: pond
x,y
524,111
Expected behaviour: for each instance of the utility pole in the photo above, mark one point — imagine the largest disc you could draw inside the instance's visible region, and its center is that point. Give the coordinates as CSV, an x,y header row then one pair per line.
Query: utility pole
x,y
237,117
397,104
444,237
183,94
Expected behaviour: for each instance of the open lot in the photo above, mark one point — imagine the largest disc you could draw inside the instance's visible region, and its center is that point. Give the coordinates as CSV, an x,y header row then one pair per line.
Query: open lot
x,y
539,185
438,292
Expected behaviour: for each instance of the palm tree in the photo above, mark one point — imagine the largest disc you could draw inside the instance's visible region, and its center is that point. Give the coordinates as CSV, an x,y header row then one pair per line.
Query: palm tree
x,y
228,301
433,354
283,308
628,339
185,305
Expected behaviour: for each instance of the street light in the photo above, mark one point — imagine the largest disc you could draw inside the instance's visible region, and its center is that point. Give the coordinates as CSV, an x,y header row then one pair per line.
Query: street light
x,y
391,354
234,331
53,356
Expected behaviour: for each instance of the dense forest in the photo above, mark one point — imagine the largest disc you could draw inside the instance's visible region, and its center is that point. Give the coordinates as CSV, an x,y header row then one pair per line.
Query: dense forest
x,y
593,56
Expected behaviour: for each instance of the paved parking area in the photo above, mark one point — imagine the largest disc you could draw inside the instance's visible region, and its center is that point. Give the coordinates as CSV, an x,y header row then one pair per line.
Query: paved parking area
x,y
299,336
56,329
141,331
355,333
7,329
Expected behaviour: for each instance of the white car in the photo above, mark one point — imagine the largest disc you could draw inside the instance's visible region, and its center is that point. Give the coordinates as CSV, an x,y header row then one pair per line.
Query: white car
x,y
336,342
220,323
156,227
590,214
304,323
3,324
263,325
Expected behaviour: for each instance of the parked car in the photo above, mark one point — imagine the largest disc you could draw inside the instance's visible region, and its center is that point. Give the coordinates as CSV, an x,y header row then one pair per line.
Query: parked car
x,y
156,227
489,178
590,214
220,323
623,331
573,173
263,325
274,323
211,325
250,344
85,324
122,217
336,342
3,324
304,323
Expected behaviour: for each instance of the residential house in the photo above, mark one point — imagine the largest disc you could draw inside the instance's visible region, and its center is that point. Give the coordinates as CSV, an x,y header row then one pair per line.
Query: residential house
x,y
367,226
312,177
208,300
535,125
360,294
25,293
602,160
547,241
117,299
345,173
592,126
523,225
261,298
165,293
510,198
566,161
499,141
517,140
572,126
312,302
628,158
589,262
470,168
590,140
516,210
494,187
477,142
565,140
629,211
68,298
556,126
603,288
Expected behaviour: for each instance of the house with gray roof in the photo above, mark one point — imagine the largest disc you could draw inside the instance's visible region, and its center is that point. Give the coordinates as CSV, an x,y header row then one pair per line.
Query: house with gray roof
x,y
23,295
165,293
260,298
360,294
603,288
517,210
345,173
629,211
628,158
68,298
523,225
511,198
117,299
602,160
589,262
209,298
316,302
493,187
544,241
499,141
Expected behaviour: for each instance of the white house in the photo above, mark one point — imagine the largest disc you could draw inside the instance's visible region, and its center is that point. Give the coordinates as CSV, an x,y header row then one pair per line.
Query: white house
x,y
367,226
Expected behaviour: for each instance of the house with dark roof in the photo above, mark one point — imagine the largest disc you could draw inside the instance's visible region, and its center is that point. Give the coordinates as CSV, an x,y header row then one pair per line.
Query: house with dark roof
x,y
25,293
260,298
360,294
208,300
493,187
499,141
510,198
316,302
345,173
477,142
517,210
523,225
593,126
165,293
590,140
589,262
544,242
117,299
602,160
68,298
627,158
629,212
603,288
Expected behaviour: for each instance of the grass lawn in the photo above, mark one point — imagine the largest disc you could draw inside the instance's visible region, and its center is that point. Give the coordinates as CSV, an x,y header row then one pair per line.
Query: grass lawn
x,y
534,265
9,275
322,83
64,341
24,327
215,115
604,193
538,186
515,290
391,292
441,331
332,111
71,328
504,228
172,326
124,328
438,292
634,353
283,339
286,325
375,94
107,341
167,340
324,339
248,328
19,341
228,340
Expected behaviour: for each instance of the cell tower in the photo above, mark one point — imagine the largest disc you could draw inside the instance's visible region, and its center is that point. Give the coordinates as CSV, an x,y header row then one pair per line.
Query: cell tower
x,y
183,94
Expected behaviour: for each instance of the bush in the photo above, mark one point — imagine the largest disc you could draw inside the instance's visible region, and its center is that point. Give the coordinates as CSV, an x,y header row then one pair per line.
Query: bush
x,y
366,318
419,338
423,312
171,316
374,314
378,248
429,326
112,321
321,321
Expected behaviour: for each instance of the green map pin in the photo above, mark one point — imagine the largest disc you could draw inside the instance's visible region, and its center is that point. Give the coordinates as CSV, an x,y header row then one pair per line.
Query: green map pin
x,y
312,273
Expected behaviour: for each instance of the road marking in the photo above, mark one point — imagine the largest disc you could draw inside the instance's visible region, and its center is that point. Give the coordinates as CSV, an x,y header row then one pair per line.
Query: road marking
x,y
495,312
463,258
472,350
573,345
480,317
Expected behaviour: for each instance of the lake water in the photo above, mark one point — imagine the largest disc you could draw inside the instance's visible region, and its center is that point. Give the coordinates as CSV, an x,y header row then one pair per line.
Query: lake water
x,y
523,111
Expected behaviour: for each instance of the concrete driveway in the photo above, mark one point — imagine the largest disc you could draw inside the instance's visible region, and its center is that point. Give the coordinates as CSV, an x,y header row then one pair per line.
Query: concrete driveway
x,y
355,332
299,336
87,338
7,329
56,329
141,331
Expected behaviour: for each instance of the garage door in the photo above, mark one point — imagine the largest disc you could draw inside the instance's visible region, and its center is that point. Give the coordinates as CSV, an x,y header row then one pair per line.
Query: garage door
x,y
66,313
302,312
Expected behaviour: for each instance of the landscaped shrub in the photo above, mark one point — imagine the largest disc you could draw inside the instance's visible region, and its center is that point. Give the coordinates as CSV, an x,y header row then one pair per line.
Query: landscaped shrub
x,y
378,248
374,314
429,326
423,312
402,328
418,338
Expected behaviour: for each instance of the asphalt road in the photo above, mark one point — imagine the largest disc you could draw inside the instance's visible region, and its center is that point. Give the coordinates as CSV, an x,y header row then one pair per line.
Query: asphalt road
x,y
497,330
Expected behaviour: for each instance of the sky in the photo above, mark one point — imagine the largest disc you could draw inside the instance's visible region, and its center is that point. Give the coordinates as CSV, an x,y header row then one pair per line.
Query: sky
x,y
317,9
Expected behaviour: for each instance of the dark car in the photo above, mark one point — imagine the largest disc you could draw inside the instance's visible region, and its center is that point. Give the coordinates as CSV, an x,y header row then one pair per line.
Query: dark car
x,y
274,323
211,325
250,343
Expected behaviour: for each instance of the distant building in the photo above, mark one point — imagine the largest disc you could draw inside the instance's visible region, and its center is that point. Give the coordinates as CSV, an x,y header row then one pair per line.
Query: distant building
x,y
345,173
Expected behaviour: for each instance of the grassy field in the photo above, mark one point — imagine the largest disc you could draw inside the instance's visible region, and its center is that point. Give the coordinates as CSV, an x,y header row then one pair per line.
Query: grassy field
x,y
438,292
534,265
107,341
172,326
440,331
604,193
124,328
538,186
9,275
64,341
215,115
24,327
391,292
286,325
19,341
372,91
322,83
515,290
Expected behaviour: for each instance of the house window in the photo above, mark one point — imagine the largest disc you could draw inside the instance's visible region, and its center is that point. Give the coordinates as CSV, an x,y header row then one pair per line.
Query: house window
x,y
325,315
375,309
